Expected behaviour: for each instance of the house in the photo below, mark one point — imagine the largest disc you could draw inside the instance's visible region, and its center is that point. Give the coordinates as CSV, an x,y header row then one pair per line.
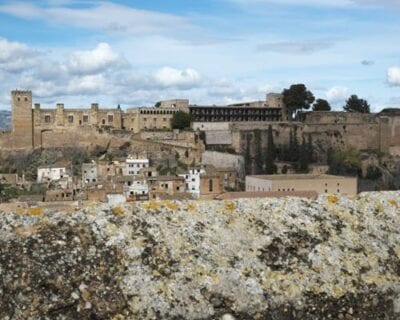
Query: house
x,y
133,165
321,183
192,180
59,195
134,187
167,185
227,176
210,185
107,170
54,172
89,173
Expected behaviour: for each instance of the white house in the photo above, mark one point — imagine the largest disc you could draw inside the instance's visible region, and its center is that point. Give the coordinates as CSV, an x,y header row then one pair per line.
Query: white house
x,y
134,186
134,165
54,172
192,180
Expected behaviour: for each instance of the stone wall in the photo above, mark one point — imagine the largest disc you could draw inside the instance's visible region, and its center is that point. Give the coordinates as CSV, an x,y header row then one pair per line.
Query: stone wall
x,y
220,159
278,259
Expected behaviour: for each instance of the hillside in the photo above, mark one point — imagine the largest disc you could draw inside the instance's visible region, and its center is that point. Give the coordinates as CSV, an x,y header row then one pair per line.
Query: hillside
x,y
330,258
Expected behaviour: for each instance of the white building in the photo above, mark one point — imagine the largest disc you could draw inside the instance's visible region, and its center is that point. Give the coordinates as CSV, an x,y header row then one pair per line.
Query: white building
x,y
134,186
134,165
54,172
192,180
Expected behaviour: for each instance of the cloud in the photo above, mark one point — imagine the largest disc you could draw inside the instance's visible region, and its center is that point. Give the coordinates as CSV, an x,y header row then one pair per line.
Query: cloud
x,y
170,77
102,16
337,95
367,62
393,76
97,60
295,47
15,56
323,3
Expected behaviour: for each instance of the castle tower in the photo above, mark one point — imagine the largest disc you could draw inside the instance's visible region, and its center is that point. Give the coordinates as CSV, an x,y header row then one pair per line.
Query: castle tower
x,y
22,118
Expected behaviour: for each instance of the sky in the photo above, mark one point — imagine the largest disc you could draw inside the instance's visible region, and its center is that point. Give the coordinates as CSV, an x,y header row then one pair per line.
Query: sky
x,y
135,53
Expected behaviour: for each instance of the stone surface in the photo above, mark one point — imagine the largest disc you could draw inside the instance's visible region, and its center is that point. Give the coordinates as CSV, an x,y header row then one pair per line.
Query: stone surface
x,y
330,258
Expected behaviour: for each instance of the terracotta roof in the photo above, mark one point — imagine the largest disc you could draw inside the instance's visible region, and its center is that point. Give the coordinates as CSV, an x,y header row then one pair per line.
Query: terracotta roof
x,y
271,194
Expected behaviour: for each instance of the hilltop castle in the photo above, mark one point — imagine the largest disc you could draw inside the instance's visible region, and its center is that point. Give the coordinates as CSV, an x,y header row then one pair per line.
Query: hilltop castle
x,y
29,125
230,125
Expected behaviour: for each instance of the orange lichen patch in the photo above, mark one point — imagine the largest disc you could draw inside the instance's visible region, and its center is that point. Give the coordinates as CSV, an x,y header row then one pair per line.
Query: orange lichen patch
x,y
393,203
118,211
230,206
35,211
333,199
171,205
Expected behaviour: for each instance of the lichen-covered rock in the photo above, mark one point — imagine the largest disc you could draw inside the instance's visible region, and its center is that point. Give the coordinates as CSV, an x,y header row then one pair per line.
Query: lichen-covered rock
x,y
330,258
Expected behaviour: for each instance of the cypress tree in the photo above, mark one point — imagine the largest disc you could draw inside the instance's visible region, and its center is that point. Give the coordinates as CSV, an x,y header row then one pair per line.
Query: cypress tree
x,y
303,157
258,154
270,167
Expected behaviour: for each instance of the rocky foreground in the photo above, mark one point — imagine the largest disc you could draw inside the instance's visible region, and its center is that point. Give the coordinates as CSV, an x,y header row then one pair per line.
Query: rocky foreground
x,y
330,258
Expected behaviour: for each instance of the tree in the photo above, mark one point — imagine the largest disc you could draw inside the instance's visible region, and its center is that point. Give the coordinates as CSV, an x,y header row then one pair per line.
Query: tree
x,y
303,157
297,97
258,152
321,105
354,104
247,156
181,120
270,167
270,143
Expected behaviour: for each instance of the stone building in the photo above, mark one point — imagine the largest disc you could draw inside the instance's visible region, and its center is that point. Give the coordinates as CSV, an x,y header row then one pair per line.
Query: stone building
x,y
272,109
30,125
54,172
323,183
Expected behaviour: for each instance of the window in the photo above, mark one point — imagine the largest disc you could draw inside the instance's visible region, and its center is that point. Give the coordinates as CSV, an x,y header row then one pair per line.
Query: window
x,y
47,119
326,190
110,118
210,185
85,118
164,119
26,99
70,119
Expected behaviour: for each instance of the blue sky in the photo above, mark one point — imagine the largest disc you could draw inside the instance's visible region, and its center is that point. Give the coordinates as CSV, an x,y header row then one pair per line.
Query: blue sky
x,y
135,53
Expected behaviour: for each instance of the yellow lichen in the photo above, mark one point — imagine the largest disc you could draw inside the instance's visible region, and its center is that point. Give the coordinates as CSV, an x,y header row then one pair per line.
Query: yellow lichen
x,y
230,206
35,211
118,211
333,199
393,203
171,205
379,208
190,206
152,205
